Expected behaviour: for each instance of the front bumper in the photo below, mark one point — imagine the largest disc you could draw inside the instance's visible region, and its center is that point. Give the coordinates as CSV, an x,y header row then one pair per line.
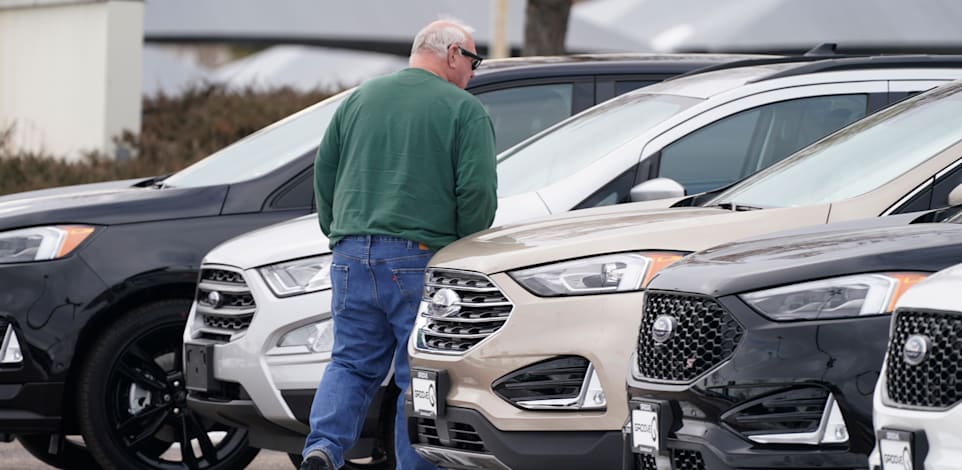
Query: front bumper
x,y
753,408
599,328
939,428
44,303
463,439
265,388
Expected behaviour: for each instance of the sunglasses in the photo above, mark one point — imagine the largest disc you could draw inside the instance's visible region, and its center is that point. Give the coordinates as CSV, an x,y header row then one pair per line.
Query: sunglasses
x,y
475,59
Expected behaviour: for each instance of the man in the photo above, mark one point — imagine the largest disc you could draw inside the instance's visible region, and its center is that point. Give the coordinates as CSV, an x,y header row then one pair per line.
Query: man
x,y
406,167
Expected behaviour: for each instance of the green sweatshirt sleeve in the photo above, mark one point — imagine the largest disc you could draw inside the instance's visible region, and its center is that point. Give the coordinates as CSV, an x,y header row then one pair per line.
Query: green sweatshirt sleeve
x,y
476,180
325,174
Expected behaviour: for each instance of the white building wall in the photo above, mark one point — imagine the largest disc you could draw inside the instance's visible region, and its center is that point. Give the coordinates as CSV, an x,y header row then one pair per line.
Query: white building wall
x,y
70,73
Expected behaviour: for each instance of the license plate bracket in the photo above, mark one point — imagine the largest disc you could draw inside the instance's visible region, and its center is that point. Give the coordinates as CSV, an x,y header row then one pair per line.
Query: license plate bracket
x,y
199,368
901,450
428,391
647,427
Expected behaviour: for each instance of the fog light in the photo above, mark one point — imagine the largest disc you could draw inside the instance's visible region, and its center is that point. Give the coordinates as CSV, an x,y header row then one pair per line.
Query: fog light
x,y
10,351
316,337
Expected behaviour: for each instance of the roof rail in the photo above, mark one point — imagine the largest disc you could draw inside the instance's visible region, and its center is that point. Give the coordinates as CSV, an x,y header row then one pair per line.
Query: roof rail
x,y
823,49
833,64
750,62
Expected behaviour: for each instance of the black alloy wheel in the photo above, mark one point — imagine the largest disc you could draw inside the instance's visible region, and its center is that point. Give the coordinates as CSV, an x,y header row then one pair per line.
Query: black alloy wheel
x,y
132,401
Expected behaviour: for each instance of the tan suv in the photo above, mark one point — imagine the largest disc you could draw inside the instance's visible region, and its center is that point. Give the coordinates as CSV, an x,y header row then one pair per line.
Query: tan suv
x,y
519,353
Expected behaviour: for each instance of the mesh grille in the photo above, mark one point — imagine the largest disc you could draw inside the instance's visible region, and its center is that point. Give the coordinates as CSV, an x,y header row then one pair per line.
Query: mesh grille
x,y
937,381
483,310
687,460
704,336
646,462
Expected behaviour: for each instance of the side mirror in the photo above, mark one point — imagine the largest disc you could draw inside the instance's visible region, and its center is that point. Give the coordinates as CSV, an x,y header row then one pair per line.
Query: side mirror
x,y
955,197
659,188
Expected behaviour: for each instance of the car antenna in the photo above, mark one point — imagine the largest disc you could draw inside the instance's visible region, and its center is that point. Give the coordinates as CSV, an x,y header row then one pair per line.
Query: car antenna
x,y
825,48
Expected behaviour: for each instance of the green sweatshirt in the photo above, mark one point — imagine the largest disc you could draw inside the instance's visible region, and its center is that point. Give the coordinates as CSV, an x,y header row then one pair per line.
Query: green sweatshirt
x,y
407,155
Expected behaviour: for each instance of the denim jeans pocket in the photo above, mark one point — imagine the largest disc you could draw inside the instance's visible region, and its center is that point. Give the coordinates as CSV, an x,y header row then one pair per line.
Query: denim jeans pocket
x,y
410,281
339,275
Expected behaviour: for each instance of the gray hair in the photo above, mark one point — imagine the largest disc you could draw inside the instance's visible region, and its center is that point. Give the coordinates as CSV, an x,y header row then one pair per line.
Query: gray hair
x,y
436,37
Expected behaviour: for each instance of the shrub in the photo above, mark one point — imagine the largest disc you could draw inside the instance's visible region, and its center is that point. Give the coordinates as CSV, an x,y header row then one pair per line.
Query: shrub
x,y
175,132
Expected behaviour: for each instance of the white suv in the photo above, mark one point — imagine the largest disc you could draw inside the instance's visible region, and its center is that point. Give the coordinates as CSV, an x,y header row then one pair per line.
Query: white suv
x,y
916,405
262,305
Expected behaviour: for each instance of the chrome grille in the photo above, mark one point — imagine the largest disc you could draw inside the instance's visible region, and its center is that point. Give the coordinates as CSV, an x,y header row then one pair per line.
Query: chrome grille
x,y
937,381
705,335
482,310
225,305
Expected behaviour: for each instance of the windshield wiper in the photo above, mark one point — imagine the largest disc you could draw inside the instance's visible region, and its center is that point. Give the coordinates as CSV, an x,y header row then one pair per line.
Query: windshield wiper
x,y
732,206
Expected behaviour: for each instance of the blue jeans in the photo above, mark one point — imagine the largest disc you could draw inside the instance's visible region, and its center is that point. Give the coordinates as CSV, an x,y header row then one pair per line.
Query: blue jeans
x,y
377,283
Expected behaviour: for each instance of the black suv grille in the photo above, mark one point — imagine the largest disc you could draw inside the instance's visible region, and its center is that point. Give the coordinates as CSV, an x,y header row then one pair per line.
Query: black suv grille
x,y
937,381
463,436
681,459
483,310
705,335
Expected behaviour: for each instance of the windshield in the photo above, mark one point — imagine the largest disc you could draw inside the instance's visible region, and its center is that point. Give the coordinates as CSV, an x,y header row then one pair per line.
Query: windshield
x,y
263,151
582,139
860,157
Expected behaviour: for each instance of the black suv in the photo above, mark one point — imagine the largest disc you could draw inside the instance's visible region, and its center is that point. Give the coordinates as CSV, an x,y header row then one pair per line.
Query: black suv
x,y
765,353
96,280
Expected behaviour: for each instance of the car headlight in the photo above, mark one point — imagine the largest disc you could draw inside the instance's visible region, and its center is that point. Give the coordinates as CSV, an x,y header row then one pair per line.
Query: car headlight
x,y
41,243
840,297
596,275
316,337
297,277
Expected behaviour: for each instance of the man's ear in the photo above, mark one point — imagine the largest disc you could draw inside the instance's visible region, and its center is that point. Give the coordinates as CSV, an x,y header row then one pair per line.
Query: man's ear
x,y
452,56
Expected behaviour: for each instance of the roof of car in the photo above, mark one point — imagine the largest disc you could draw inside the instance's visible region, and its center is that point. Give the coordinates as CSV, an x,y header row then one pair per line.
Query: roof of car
x,y
719,78
495,70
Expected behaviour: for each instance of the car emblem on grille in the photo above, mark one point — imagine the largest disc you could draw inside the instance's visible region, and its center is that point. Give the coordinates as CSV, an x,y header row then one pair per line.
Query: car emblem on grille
x,y
445,303
916,349
663,328
214,298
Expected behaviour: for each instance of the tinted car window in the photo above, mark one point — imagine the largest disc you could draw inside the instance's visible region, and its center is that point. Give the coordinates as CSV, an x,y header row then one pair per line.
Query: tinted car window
x,y
518,113
582,140
741,144
860,158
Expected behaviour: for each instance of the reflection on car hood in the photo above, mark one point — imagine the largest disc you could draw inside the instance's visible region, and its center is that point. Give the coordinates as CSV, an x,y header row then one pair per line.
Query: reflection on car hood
x,y
105,205
72,189
883,244
291,239
624,228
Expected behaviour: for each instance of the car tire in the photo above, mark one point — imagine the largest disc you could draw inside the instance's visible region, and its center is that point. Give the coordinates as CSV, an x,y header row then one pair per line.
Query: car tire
x,y
72,456
131,401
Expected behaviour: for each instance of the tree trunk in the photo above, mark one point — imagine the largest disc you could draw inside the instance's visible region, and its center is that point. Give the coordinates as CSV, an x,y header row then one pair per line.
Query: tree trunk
x,y
545,27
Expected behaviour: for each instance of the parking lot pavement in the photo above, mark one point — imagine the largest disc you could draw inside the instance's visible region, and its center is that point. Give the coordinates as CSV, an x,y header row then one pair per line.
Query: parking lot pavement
x,y
13,456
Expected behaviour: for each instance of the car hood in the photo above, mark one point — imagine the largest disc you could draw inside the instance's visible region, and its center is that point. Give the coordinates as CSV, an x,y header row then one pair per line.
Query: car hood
x,y
107,205
73,189
292,239
937,292
893,245
616,229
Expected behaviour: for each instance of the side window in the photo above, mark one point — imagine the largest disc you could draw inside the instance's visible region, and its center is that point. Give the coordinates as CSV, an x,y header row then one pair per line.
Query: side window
x,y
741,144
299,193
944,186
520,112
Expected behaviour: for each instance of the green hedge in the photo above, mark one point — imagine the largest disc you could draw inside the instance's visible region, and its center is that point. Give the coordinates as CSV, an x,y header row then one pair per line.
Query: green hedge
x,y
175,132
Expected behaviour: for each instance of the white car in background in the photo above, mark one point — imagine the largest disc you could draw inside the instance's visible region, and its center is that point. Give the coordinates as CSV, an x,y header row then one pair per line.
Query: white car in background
x,y
259,331
916,409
